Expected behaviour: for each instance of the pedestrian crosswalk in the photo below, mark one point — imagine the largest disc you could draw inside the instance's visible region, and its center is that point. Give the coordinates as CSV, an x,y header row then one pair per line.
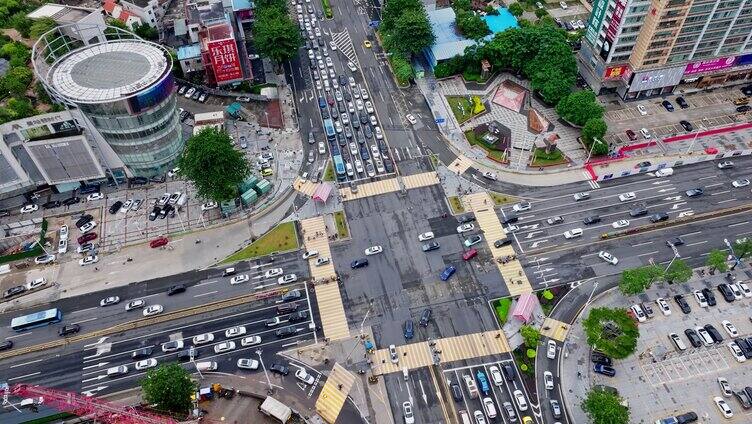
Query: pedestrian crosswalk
x,y
420,180
554,329
345,46
593,184
333,394
461,164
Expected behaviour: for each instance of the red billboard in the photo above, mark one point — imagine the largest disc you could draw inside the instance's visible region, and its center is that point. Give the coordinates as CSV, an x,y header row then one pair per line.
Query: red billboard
x,y
225,60
616,72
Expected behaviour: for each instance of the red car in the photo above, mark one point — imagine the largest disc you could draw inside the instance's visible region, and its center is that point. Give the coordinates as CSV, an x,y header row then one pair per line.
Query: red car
x,y
631,134
87,238
470,254
158,242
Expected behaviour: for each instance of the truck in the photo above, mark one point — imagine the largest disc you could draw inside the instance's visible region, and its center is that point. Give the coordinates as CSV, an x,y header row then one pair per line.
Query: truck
x,y
275,409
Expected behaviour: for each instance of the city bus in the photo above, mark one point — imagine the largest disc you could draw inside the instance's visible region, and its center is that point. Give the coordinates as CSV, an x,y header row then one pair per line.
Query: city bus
x,y
37,319
329,127
339,166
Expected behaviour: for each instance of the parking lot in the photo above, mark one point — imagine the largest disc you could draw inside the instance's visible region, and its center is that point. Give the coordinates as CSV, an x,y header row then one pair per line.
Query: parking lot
x,y
665,381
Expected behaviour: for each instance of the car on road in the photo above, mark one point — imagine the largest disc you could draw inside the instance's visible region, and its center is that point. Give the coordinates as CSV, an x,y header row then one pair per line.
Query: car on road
x,y
593,219
676,241
551,349
502,242
490,176
203,339
411,119
555,408
373,250
620,223
159,242
575,232
448,272
640,210
247,364
522,206
695,192
407,412
224,347
88,260
658,217
109,301
425,236
238,279
727,164
393,355
322,261
274,272
519,397
465,228
625,197
172,346
555,220
153,310
146,364
740,183
496,376
250,341
44,259
359,263
683,305
432,245
176,289
608,257
236,331
287,279
548,380
470,254
581,196
408,329
94,196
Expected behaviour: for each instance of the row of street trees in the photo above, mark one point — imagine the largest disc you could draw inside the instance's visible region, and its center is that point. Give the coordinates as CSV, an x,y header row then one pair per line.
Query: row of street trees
x,y
275,35
405,32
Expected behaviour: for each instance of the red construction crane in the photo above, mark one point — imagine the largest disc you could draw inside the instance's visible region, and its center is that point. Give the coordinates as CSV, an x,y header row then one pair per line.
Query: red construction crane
x,y
84,406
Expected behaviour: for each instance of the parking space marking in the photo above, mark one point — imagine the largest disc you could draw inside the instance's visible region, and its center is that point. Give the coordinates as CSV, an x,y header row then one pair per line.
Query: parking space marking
x,y
677,367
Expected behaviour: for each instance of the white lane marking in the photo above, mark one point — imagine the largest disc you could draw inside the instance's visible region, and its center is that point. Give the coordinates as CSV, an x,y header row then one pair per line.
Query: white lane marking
x,y
725,201
24,376
720,192
691,234
649,253
739,223
27,363
696,243
18,335
205,294
205,283
86,320
642,244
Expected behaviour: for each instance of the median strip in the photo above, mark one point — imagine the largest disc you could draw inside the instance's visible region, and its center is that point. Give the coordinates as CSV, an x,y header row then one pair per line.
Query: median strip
x,y
145,322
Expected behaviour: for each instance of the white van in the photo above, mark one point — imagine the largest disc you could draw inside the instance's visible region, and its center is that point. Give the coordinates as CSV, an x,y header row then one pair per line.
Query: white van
x,y
573,233
464,417
206,366
471,387
664,172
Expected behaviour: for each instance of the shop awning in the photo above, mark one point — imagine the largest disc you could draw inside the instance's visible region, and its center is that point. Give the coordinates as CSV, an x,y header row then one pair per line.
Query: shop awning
x,y
524,307
322,192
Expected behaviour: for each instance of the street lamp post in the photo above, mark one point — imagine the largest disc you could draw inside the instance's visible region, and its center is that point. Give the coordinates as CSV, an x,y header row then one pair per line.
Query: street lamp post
x,y
697,133
676,255
266,374
737,259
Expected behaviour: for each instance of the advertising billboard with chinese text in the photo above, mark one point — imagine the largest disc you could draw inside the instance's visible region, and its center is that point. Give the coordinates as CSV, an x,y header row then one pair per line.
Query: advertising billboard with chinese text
x,y
710,65
225,60
618,72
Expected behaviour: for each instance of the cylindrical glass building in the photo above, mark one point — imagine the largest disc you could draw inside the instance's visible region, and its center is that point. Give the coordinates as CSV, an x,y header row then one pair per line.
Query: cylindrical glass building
x,y
124,87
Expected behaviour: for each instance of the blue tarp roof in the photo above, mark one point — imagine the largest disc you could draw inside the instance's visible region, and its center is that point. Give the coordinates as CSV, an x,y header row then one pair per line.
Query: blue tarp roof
x,y
189,52
242,5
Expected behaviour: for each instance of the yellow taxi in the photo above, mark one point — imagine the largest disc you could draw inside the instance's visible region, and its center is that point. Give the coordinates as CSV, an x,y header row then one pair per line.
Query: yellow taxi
x,y
527,420
367,44
266,172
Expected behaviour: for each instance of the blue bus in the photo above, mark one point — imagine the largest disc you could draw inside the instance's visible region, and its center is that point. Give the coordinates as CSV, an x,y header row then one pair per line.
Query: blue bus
x,y
329,127
339,165
37,319
483,383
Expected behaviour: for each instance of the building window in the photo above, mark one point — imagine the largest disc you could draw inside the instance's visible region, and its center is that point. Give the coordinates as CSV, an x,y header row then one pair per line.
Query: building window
x,y
650,62
673,3
675,58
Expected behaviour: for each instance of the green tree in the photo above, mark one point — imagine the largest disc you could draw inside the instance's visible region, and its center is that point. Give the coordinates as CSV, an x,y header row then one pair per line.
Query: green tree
x,y
539,13
146,31
605,408
17,53
579,106
117,24
594,128
213,165
20,23
169,386
516,10
612,331
743,247
402,69
459,5
275,35
717,260
265,4
530,335
551,83
20,108
18,80
637,280
678,272
394,10
412,33
40,26
471,25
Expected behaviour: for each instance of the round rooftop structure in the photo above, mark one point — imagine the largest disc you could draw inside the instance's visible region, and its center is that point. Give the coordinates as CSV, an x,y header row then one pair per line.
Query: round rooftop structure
x,y
108,71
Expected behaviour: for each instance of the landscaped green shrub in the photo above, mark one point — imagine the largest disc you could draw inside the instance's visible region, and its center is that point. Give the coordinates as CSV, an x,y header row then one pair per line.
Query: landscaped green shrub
x,y
548,295
502,309
327,9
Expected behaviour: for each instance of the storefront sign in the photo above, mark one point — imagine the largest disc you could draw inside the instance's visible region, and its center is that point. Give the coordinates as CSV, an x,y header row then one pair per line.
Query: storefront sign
x,y
596,20
745,59
618,72
710,65
657,78
615,23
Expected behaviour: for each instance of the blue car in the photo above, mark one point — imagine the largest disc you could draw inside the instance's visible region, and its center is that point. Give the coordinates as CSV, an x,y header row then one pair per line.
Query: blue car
x,y
448,272
409,329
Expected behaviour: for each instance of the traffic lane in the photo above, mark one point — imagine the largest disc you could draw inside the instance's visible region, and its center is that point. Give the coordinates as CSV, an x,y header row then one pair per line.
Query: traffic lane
x,y
226,362
206,291
582,261
543,363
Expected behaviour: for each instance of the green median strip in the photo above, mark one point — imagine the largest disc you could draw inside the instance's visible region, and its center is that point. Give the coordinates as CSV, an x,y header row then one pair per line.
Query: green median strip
x,y
281,238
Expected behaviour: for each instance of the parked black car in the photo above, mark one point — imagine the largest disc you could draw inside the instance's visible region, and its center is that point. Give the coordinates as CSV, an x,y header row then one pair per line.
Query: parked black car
x,y
694,338
115,207
51,204
709,296
683,305
359,263
71,201
600,358
714,334
279,369
726,292
425,317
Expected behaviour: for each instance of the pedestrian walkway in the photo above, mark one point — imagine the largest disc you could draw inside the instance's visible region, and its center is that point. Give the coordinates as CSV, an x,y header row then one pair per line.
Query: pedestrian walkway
x,y
461,164
306,187
458,348
370,189
510,268
420,180
554,329
334,393
328,298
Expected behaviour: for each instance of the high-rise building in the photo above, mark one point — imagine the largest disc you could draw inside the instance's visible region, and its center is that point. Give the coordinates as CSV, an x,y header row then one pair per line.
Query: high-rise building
x,y
645,48
124,88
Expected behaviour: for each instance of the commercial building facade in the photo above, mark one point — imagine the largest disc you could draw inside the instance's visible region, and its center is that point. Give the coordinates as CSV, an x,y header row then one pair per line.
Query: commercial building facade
x,y
125,90
647,48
